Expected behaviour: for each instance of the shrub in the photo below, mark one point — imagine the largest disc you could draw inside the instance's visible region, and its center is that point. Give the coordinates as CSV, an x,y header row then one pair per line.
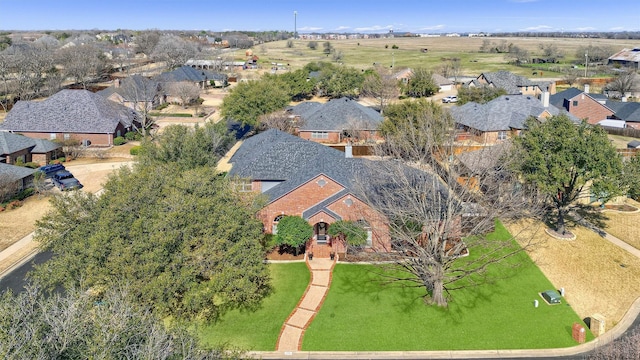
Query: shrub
x,y
23,194
135,150
163,106
32,165
132,135
14,204
119,141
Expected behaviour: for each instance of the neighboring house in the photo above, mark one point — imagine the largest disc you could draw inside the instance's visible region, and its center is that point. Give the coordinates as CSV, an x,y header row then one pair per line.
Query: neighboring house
x,y
442,82
16,148
336,121
186,73
135,92
627,58
513,84
72,115
629,112
500,118
303,178
473,165
582,104
15,178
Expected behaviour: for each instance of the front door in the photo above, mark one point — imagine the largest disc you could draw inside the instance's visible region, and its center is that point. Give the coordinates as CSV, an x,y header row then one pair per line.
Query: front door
x,y
321,232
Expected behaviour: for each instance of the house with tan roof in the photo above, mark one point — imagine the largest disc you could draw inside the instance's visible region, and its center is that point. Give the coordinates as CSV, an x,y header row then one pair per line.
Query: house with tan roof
x,y
513,84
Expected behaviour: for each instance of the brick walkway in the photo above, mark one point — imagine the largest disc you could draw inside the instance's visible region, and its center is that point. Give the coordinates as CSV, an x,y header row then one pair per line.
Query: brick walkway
x,y
290,338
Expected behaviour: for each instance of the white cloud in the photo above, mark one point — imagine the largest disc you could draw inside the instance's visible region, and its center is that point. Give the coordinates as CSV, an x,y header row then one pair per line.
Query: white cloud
x,y
374,28
310,28
341,28
538,28
434,27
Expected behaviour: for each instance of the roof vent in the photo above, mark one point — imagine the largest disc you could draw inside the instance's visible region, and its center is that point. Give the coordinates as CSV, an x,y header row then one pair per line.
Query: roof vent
x,y
506,98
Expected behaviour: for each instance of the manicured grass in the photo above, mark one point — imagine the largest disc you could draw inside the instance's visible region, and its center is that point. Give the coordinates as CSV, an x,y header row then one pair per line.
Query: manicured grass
x,y
259,330
361,314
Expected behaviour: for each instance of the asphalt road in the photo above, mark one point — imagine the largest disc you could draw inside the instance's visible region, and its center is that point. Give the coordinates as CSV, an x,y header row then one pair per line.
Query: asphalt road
x,y
17,278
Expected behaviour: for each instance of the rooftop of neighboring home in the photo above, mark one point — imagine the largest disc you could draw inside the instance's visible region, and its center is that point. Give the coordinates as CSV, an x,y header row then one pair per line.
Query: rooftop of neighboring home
x,y
69,111
628,111
509,81
559,98
631,55
11,143
14,172
502,113
336,115
187,73
488,157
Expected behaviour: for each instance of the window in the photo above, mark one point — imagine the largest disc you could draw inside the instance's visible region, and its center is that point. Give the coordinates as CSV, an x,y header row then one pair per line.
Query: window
x,y
502,135
321,182
274,227
348,202
67,136
52,136
363,223
244,185
575,103
319,135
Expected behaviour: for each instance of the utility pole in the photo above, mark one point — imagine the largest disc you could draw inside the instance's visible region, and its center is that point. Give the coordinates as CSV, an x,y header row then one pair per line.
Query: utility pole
x,y
586,62
295,25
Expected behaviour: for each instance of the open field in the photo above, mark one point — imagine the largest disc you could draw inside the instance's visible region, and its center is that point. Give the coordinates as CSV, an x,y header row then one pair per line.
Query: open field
x,y
598,276
362,53
625,226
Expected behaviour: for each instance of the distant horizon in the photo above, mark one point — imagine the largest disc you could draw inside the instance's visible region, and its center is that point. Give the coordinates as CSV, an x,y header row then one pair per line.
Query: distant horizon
x,y
326,16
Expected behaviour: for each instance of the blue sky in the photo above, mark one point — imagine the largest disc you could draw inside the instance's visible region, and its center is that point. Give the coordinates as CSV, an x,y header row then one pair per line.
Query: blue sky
x,y
417,16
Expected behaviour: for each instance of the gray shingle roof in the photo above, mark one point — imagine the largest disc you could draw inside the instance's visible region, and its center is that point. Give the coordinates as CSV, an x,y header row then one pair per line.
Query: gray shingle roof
x,y
11,143
558,99
336,115
44,146
511,82
630,111
184,73
502,113
69,111
134,88
274,155
15,172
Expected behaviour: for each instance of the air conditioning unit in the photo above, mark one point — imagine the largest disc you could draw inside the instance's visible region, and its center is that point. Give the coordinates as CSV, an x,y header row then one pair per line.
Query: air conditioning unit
x,y
86,142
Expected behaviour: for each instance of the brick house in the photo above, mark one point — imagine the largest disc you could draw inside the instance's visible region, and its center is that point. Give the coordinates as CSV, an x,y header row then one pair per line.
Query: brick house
x,y
336,121
501,118
72,114
303,178
16,148
628,112
14,179
513,84
583,105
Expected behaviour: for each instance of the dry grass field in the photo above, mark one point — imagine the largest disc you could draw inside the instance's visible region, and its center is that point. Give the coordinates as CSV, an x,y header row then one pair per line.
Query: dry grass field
x,y
598,277
362,53
625,226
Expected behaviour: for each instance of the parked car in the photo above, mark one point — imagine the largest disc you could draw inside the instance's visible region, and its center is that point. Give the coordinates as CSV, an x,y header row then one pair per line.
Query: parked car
x,y
450,99
50,170
64,180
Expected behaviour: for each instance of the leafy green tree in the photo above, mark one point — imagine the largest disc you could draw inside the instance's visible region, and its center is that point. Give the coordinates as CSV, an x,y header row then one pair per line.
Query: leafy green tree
x,y
350,231
562,158
421,84
381,85
479,94
298,84
339,81
249,100
631,171
293,231
183,239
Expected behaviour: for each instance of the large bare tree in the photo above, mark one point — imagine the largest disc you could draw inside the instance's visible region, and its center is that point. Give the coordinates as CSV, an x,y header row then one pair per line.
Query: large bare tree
x,y
440,209
623,84
83,63
142,93
382,86
280,120
185,91
173,50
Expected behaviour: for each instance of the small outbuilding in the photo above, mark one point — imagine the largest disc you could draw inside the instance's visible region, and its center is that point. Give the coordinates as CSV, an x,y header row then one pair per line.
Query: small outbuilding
x,y
551,297
633,144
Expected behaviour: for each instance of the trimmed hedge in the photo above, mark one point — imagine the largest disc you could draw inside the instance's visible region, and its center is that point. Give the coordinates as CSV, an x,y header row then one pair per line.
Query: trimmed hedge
x,y
135,150
119,141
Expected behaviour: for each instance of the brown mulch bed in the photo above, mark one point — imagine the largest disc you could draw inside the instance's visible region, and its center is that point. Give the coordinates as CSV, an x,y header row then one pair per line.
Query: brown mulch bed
x,y
277,254
621,207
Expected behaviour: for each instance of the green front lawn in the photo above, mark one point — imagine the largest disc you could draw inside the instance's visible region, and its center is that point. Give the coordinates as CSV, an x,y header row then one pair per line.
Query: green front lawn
x,y
361,314
259,330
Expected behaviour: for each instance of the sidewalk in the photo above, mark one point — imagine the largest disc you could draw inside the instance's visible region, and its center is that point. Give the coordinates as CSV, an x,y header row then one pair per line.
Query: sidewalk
x,y
17,254
290,338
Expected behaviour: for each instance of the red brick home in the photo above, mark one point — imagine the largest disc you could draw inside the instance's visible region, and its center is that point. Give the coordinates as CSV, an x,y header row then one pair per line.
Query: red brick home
x,y
72,114
501,118
303,178
337,121
583,105
16,148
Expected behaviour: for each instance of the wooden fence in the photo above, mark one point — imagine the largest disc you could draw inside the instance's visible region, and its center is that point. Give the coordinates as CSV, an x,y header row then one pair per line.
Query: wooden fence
x,y
628,131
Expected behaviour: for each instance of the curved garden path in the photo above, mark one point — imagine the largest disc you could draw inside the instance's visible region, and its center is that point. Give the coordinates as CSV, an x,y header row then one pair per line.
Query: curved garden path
x,y
290,338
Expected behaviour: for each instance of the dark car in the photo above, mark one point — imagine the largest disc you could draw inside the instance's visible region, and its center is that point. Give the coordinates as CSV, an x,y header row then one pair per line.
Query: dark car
x,y
50,170
64,180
